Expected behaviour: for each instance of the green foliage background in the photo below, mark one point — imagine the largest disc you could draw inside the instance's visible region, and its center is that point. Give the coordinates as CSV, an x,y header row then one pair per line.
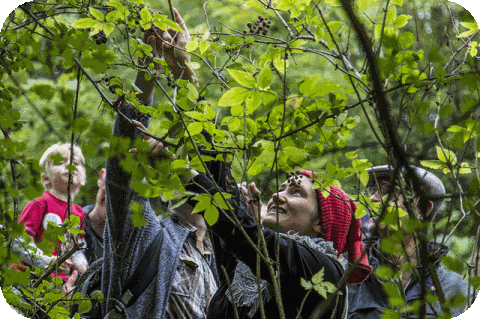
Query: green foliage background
x,y
299,96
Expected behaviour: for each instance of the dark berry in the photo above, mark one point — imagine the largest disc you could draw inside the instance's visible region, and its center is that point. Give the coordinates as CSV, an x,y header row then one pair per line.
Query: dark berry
x,y
260,18
244,31
98,41
249,25
260,28
264,32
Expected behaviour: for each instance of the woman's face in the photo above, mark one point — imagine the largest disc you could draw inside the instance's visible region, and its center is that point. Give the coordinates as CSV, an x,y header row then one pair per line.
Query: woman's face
x,y
294,207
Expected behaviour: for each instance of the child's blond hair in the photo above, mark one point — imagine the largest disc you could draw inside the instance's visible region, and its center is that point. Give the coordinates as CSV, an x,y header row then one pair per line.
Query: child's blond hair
x,y
64,150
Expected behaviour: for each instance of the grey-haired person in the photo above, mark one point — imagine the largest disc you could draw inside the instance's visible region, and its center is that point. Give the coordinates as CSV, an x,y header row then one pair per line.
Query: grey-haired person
x,y
369,299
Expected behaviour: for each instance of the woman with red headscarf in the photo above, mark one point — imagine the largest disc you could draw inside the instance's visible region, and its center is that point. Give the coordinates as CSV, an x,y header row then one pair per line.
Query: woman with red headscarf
x,y
310,232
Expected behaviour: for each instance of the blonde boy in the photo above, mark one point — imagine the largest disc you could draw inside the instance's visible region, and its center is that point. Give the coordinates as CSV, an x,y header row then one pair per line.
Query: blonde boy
x,y
53,206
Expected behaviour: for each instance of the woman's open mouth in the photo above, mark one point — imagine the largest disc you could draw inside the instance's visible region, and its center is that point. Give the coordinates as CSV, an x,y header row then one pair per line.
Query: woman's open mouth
x,y
276,209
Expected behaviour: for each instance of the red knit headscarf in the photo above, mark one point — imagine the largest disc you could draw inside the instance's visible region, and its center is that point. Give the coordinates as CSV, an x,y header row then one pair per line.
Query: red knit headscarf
x,y
338,224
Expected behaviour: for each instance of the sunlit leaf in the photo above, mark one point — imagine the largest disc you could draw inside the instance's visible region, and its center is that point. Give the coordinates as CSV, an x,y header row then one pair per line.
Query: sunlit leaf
x,y
242,78
96,13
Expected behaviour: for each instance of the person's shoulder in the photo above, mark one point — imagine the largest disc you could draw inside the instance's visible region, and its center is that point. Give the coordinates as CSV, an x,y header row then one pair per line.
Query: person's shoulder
x,y
35,204
451,276
88,208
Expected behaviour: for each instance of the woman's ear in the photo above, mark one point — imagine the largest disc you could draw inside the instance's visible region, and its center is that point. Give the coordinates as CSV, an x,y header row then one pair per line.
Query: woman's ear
x,y
429,210
316,227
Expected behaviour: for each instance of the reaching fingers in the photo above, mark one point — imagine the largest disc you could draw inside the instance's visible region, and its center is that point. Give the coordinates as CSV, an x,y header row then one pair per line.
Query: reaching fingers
x,y
181,23
68,263
140,125
254,189
152,42
167,40
156,146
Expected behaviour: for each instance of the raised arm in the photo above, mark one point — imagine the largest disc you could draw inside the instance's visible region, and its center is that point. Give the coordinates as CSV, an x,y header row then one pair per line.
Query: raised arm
x,y
297,260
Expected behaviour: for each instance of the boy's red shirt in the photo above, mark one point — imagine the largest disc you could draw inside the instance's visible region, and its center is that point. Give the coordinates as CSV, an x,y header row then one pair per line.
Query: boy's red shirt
x,y
35,211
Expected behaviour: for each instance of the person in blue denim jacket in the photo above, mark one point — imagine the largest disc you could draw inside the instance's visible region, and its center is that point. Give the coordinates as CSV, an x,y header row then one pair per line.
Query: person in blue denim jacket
x,y
369,299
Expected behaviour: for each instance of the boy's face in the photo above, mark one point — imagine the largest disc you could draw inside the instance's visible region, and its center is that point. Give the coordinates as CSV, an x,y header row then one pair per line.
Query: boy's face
x,y
56,172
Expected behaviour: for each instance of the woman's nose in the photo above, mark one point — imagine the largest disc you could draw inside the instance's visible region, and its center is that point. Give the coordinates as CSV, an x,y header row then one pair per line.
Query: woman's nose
x,y
278,197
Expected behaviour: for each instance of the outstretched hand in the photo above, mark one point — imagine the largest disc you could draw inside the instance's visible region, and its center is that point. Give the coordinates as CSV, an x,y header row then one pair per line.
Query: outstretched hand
x,y
251,195
157,148
171,44
69,285
174,50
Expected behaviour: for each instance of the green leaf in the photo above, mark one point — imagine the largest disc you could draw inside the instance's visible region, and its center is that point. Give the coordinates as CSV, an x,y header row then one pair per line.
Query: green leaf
x,y
44,90
334,26
219,200
466,34
440,73
76,231
252,102
475,282
85,306
318,277
145,15
97,14
84,23
473,49
255,168
306,284
112,16
204,46
469,25
401,21
211,215
192,92
331,169
364,5
406,40
242,78
351,155
398,2
363,177
452,263
97,294
360,211
191,45
138,220
195,128
162,22
297,43
446,155
319,34
433,164
108,29
391,15
265,77
464,169
232,97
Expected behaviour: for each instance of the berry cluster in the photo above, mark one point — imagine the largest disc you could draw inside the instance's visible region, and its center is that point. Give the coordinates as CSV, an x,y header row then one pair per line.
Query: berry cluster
x,y
296,180
170,81
260,26
100,38
110,87
129,110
